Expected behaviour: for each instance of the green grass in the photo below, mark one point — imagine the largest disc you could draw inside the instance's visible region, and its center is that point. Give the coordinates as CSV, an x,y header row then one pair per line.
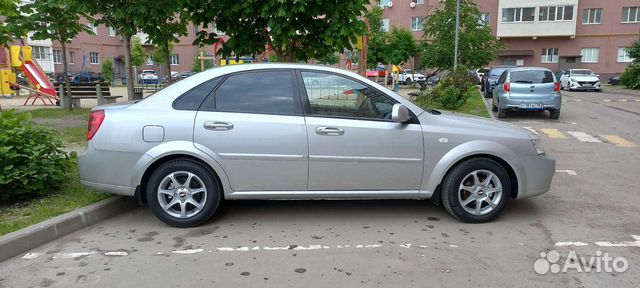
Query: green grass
x,y
18,215
46,113
74,136
474,106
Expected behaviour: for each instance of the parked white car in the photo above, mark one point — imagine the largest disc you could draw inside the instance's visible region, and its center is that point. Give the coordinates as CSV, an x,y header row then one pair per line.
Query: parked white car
x,y
408,76
580,79
148,77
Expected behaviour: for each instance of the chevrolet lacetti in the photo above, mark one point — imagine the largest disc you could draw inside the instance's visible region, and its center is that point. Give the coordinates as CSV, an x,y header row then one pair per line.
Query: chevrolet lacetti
x,y
289,131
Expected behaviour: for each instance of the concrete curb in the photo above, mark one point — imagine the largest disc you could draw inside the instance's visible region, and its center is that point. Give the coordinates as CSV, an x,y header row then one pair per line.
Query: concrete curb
x,y
488,106
41,233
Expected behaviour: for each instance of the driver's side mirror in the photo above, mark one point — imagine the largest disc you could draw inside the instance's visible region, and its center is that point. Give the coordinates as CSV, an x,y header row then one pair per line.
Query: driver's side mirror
x,y
400,113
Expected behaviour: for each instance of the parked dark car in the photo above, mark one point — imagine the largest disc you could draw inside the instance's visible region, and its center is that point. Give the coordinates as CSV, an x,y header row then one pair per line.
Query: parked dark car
x,y
435,79
491,79
88,77
559,73
615,80
182,75
59,77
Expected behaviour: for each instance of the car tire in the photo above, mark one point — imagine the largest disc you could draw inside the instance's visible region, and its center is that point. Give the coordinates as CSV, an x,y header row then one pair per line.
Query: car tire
x,y
486,93
494,108
203,190
407,81
502,113
554,114
497,190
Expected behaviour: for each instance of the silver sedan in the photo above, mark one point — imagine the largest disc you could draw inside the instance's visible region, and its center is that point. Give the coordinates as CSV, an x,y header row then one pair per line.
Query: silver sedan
x,y
286,131
530,89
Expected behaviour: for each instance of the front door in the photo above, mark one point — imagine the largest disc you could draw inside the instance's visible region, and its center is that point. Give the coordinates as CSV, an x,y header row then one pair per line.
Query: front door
x,y
353,143
254,124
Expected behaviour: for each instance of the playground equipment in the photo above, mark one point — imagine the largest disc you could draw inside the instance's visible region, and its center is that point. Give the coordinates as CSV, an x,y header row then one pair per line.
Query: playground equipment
x,y
21,60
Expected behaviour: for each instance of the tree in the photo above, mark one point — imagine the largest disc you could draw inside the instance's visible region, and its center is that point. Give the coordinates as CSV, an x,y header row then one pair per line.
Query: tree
x,y
377,39
631,76
138,53
12,26
295,30
330,59
401,46
163,21
57,20
208,64
107,70
477,45
119,15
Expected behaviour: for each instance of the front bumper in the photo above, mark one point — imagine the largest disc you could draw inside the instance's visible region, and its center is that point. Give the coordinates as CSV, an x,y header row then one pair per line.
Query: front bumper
x,y
539,171
584,86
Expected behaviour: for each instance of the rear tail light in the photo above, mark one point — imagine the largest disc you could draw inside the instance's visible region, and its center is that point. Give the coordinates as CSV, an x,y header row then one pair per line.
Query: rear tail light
x,y
556,86
507,87
95,120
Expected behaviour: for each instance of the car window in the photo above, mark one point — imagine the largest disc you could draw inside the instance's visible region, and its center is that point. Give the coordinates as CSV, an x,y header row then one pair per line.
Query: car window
x,y
496,72
258,92
531,77
192,99
503,77
333,95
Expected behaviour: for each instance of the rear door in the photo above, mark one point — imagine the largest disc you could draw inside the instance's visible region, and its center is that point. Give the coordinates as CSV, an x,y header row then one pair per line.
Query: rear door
x,y
253,123
531,86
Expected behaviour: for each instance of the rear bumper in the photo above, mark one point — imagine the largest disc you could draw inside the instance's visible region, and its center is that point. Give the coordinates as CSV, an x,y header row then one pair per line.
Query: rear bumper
x,y
548,103
107,171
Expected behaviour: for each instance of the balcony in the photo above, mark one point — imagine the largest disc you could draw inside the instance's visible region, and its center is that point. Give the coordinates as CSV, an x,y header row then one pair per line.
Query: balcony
x,y
543,18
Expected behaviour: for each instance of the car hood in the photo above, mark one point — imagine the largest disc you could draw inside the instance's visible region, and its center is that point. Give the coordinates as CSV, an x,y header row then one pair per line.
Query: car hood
x,y
476,123
585,78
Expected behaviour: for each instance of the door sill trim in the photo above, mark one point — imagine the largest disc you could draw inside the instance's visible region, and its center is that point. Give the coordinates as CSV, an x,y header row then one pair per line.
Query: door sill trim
x,y
299,195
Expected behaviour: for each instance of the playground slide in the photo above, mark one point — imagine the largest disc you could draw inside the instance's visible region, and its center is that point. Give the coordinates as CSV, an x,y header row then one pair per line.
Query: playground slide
x,y
38,77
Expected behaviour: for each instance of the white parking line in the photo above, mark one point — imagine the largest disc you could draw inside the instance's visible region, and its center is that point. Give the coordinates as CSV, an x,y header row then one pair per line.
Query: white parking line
x,y
532,130
621,244
584,137
607,100
570,172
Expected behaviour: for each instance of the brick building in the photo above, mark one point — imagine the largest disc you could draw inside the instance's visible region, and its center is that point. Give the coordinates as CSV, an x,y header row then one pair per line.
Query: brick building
x,y
556,34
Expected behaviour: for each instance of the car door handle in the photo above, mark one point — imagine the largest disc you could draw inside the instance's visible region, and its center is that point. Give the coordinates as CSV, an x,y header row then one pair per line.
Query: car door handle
x,y
215,125
329,131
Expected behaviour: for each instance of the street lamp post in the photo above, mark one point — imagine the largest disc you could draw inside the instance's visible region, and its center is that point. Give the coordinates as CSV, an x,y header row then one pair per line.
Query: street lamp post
x,y
455,52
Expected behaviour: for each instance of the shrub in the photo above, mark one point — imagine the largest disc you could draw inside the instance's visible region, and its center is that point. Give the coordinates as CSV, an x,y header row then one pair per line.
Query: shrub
x,y
631,76
451,93
107,70
31,160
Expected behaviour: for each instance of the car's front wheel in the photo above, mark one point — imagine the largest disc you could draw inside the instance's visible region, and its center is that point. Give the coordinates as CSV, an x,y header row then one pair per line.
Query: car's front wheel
x,y
183,193
407,81
476,191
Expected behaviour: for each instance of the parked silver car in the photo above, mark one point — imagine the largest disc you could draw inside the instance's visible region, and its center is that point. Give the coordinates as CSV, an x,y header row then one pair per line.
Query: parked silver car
x,y
261,131
527,89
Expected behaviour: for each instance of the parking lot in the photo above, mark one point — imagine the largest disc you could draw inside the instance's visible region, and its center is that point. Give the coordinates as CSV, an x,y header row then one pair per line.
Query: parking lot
x,y
592,209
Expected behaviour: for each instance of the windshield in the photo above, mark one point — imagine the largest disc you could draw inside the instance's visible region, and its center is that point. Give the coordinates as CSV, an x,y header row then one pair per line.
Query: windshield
x,y
582,73
496,72
531,77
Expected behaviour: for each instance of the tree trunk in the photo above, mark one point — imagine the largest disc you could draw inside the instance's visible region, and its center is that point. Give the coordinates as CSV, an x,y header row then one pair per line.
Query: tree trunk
x,y
165,48
128,67
66,97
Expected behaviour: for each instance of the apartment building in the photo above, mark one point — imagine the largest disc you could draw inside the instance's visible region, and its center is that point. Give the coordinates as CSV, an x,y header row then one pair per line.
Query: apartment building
x,y
557,34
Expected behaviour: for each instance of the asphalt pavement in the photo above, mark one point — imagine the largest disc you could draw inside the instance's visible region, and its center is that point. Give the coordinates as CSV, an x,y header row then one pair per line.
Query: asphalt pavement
x,y
591,212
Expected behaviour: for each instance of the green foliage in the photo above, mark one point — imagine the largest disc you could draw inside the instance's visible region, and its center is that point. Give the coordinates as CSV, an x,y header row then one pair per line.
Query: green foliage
x,y
158,54
330,59
31,158
453,91
477,45
61,18
208,64
631,76
13,25
295,30
377,39
401,46
108,70
138,53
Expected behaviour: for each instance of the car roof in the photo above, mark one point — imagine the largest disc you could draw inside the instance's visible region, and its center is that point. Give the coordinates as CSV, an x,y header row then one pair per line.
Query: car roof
x,y
530,69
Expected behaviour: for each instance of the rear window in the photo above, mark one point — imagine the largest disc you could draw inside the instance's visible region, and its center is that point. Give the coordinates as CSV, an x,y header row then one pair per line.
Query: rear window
x,y
531,77
496,72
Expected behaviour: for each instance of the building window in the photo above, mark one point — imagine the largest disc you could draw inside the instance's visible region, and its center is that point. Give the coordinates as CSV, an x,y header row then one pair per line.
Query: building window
x,y
419,1
416,23
630,14
550,55
485,19
556,13
175,59
590,55
623,55
57,56
93,27
525,14
94,57
592,16
41,53
112,32
385,2
386,24
72,57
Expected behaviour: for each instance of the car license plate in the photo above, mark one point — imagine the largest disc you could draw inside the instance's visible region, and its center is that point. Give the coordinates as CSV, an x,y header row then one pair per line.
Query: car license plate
x,y
586,85
530,105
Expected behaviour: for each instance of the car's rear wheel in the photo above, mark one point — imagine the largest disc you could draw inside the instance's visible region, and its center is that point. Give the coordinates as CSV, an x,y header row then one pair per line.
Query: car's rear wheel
x,y
476,191
407,81
183,193
554,114
502,113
